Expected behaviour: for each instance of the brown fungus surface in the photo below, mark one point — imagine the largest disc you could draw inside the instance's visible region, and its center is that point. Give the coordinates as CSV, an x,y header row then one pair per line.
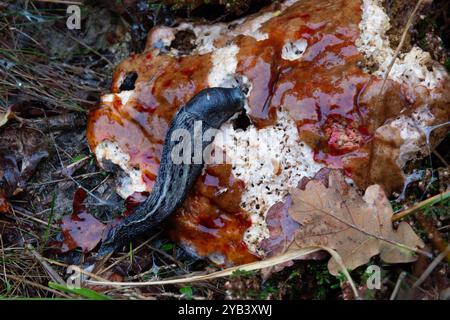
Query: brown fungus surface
x,y
307,64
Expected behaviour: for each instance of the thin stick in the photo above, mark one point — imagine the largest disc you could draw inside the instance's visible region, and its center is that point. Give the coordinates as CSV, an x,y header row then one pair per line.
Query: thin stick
x,y
89,274
441,158
38,285
401,277
98,267
4,260
19,211
421,205
100,201
431,267
288,256
51,272
400,44
93,50
344,270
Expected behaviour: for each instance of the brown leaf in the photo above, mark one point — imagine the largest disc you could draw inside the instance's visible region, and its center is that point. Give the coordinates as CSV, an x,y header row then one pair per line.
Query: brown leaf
x,y
81,229
21,150
282,228
358,228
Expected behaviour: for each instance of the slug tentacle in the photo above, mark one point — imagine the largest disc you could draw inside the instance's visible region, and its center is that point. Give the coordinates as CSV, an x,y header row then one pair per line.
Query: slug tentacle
x,y
213,107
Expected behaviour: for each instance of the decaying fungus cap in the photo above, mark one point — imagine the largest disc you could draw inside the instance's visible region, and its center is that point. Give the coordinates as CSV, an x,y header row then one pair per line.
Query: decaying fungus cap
x,y
313,72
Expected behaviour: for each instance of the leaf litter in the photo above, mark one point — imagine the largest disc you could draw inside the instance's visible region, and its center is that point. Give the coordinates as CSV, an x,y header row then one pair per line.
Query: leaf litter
x,y
357,227
81,229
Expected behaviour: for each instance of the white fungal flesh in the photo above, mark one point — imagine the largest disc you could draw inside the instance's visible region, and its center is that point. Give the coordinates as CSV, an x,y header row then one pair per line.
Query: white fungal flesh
x,y
415,67
131,181
293,50
224,67
252,27
124,97
270,161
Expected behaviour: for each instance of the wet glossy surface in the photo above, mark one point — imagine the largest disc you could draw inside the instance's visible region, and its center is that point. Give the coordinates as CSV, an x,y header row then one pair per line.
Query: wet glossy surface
x,y
333,101
139,127
80,229
211,220
321,89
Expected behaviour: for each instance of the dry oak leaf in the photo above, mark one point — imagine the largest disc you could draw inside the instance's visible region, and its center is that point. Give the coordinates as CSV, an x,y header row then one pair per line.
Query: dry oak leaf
x,y
358,228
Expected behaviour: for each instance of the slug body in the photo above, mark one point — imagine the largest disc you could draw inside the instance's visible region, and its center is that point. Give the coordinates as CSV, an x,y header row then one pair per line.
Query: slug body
x,y
213,107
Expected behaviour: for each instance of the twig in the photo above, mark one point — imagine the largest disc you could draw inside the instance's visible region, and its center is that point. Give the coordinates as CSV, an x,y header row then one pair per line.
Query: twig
x,y
168,256
434,235
80,176
441,158
19,211
51,272
176,295
89,274
344,270
92,50
124,257
163,267
400,279
288,256
38,285
400,44
431,267
421,205
4,260
100,201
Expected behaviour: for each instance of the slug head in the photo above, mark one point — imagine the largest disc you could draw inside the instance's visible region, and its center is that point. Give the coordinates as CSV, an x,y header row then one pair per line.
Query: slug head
x,y
214,106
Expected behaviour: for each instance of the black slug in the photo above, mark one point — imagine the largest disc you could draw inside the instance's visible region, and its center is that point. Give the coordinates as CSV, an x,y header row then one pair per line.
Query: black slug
x,y
213,107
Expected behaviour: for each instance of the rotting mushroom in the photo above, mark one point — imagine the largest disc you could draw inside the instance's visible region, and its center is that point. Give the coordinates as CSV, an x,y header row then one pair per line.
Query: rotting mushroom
x,y
313,73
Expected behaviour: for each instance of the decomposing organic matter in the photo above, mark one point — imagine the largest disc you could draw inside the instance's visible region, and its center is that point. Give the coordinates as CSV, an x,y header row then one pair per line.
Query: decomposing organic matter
x,y
174,180
319,93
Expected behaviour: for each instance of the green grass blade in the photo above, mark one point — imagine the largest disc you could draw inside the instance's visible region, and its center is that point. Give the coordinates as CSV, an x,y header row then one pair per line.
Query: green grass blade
x,y
83,292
